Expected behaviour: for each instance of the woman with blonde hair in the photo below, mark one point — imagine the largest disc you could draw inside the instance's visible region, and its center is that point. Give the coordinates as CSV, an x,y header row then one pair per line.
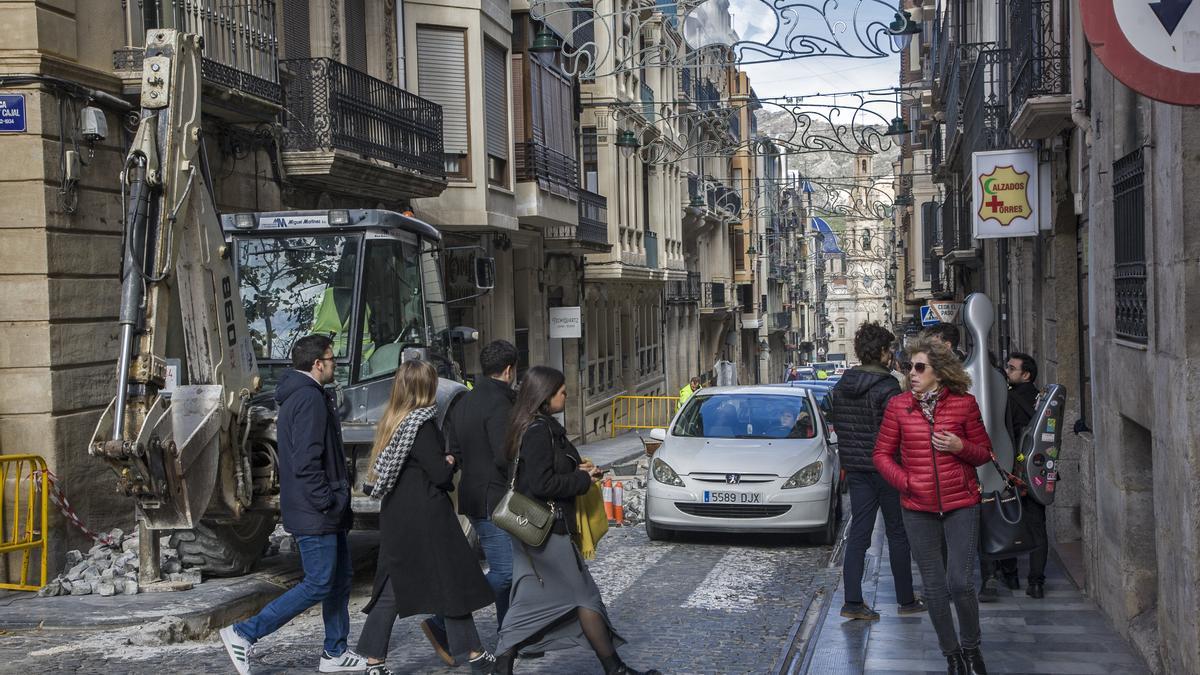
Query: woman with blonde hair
x,y
929,444
425,564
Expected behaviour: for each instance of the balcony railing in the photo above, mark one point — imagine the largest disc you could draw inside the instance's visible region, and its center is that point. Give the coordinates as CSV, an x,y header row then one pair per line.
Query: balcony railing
x,y
694,187
553,171
330,105
936,151
985,124
685,81
241,51
707,96
728,199
953,97
684,290
593,218
944,54
712,295
1039,58
777,321
650,241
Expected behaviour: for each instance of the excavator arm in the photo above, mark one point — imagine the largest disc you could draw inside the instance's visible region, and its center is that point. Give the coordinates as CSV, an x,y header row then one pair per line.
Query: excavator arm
x,y
181,453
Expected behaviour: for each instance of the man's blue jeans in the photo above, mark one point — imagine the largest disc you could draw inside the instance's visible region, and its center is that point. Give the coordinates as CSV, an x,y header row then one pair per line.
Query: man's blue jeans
x,y
497,548
328,572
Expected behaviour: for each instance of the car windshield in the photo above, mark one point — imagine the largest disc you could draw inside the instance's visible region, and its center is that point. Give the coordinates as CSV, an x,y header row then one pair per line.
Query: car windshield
x,y
738,415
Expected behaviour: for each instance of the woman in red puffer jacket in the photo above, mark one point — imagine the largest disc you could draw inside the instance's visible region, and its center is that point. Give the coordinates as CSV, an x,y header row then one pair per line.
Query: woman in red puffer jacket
x,y
929,444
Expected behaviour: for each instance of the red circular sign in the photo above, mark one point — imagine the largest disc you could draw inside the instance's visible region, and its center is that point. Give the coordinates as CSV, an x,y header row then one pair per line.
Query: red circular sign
x,y
1137,39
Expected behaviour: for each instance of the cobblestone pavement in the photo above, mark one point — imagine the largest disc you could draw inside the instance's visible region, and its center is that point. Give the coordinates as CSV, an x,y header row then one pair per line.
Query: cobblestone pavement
x,y
700,604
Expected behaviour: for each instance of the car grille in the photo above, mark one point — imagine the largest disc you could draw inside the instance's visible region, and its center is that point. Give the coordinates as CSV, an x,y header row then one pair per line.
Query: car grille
x,y
733,510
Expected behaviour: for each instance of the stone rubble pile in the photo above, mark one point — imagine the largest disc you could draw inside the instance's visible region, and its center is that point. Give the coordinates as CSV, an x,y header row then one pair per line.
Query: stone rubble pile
x,y
112,569
280,542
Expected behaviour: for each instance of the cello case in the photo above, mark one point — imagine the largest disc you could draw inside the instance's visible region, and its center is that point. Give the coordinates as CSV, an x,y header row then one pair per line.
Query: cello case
x,y
989,388
1040,443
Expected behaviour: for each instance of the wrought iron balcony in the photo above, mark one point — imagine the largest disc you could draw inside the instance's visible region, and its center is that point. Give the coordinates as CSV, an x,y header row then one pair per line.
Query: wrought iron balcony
x,y
712,295
708,98
333,109
684,290
593,218
1041,105
985,106
647,98
553,171
943,56
240,65
685,82
779,321
936,150
727,198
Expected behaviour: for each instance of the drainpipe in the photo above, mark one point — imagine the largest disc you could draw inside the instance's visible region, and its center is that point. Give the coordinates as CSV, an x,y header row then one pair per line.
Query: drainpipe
x,y
1078,55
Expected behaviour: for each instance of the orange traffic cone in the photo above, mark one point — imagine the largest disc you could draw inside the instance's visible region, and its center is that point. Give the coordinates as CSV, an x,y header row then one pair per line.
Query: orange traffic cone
x,y
618,499
607,491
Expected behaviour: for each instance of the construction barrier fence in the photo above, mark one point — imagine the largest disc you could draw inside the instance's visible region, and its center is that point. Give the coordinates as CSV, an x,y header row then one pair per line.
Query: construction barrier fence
x,y
24,518
642,412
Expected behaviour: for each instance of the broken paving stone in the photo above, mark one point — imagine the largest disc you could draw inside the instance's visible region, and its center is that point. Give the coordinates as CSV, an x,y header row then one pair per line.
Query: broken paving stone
x,y
130,544
167,630
129,587
74,557
55,587
106,588
172,566
81,588
76,572
189,577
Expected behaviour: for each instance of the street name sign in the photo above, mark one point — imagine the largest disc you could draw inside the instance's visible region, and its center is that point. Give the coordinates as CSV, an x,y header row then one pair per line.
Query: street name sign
x,y
12,113
1151,47
1005,194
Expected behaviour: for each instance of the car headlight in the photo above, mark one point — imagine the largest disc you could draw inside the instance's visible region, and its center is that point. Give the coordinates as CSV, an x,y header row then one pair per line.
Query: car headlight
x,y
664,474
809,475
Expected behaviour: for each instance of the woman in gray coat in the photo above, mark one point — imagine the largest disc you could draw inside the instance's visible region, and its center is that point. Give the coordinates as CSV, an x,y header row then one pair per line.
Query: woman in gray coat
x,y
555,604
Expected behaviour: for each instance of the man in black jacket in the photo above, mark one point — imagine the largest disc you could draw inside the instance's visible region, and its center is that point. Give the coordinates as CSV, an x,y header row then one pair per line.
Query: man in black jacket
x,y
1022,404
314,500
478,433
859,399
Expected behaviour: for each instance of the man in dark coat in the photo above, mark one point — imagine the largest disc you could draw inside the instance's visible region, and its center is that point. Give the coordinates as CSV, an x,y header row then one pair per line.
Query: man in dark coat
x,y
1022,370
478,433
314,499
859,400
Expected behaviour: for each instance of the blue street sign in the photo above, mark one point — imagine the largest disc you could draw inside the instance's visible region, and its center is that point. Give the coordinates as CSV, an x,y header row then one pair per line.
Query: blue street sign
x,y
12,113
928,317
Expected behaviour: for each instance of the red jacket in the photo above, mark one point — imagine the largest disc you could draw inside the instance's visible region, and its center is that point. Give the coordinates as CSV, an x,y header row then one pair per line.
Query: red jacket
x,y
929,480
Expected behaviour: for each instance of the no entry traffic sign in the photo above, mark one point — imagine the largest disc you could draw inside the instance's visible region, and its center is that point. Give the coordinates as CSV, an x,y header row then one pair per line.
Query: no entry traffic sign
x,y
1150,47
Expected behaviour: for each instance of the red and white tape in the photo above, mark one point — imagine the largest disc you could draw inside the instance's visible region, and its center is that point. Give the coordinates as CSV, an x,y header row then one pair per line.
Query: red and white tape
x,y
60,500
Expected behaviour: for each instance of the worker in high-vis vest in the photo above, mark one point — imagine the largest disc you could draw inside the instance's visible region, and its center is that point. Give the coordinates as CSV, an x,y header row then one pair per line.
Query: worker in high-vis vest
x,y
688,389
332,318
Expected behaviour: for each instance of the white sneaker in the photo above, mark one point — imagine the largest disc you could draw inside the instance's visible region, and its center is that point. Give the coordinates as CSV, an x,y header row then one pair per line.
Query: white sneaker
x,y
238,649
349,662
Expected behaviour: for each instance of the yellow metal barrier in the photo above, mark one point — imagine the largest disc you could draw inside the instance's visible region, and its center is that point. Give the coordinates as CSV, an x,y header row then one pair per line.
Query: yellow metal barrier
x,y
642,412
24,514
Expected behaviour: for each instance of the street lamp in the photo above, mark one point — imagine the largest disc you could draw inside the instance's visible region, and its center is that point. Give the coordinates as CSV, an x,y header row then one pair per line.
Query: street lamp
x,y
902,28
627,142
545,42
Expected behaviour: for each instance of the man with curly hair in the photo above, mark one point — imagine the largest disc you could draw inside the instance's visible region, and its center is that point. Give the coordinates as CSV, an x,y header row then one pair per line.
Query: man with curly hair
x,y
859,400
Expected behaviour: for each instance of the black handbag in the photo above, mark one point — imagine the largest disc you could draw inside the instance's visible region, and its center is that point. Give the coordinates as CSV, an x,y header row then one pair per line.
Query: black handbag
x,y
527,519
1004,530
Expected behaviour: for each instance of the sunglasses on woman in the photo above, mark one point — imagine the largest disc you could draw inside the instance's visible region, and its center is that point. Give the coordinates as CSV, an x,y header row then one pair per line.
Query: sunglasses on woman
x,y
918,366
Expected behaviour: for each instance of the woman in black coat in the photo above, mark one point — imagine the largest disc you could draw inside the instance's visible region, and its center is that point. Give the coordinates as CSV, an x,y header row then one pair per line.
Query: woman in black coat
x,y
554,604
425,564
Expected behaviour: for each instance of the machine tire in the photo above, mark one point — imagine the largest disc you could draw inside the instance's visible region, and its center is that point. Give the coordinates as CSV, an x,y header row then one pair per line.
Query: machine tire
x,y
225,549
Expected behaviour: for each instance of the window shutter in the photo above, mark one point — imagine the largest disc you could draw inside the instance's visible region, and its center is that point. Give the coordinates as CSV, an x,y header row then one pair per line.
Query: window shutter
x,y
296,40
356,34
568,112
518,95
495,73
537,95
442,78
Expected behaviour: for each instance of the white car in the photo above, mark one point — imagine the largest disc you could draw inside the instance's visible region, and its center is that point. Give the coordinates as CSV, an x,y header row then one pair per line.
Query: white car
x,y
745,459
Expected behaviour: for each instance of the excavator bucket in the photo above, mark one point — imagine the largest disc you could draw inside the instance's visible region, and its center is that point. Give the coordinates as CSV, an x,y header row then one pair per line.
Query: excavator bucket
x,y
183,446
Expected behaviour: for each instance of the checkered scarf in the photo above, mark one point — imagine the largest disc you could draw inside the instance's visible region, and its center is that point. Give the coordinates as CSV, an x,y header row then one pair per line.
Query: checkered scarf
x,y
391,460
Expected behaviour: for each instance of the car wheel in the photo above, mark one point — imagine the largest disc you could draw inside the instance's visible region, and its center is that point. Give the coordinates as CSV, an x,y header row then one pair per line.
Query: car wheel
x,y
828,534
656,533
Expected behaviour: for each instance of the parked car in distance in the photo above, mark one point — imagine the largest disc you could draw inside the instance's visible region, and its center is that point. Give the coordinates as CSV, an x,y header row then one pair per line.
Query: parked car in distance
x,y
746,459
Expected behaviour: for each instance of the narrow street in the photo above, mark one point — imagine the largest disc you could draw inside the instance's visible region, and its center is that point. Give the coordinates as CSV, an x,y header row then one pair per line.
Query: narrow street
x,y
699,604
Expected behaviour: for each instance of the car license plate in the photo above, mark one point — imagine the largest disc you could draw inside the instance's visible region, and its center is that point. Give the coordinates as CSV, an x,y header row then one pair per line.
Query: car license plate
x,y
715,497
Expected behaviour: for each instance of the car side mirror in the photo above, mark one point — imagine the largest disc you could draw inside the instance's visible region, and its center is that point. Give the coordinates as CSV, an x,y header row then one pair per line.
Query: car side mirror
x,y
485,273
658,434
833,440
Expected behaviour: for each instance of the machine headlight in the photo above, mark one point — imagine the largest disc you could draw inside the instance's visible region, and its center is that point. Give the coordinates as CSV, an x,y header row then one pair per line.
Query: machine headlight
x,y
809,475
664,474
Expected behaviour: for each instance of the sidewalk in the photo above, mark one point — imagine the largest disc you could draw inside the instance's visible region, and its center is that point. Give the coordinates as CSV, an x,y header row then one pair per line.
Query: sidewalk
x,y
1064,633
609,451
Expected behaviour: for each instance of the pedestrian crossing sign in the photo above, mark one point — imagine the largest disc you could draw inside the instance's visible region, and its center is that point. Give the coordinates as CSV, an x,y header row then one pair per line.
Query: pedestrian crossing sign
x,y
929,317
